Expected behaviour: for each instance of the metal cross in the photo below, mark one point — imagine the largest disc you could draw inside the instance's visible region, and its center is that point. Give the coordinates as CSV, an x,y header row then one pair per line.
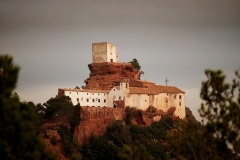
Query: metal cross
x,y
166,81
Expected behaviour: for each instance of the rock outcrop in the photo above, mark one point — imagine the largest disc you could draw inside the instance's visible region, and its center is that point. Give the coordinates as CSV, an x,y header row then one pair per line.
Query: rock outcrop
x,y
106,75
94,120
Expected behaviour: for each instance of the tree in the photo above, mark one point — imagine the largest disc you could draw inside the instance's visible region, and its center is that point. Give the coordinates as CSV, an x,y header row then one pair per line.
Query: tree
x,y
135,64
219,135
76,87
18,120
58,106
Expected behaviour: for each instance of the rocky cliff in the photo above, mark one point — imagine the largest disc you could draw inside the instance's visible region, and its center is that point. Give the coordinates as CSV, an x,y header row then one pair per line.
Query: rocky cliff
x,y
103,76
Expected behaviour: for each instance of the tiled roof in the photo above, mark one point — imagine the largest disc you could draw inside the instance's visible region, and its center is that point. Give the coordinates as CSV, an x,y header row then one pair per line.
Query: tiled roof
x,y
139,90
168,89
84,90
118,87
144,81
156,89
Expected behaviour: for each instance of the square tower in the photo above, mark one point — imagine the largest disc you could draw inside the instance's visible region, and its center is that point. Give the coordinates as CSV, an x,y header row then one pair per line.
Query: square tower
x,y
104,52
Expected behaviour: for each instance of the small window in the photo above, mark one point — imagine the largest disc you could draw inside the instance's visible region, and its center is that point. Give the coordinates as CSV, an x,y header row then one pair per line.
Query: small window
x,y
175,96
92,93
104,94
180,97
98,94
93,100
113,89
98,100
87,100
87,93
104,100
77,99
111,60
82,99
179,103
70,92
77,92
119,97
111,53
145,100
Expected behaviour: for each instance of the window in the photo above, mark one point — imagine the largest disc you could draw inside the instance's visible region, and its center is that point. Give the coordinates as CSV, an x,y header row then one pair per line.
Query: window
x,y
87,100
113,89
92,93
93,100
180,97
70,92
82,99
77,92
98,94
179,103
119,97
104,100
87,93
98,100
111,60
111,53
175,96
77,99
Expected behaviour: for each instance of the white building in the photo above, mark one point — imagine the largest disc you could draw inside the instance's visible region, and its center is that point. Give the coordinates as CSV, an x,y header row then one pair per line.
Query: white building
x,y
138,94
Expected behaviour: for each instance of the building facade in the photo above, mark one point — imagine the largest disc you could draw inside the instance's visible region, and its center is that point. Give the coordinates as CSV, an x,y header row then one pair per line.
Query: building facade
x,y
125,95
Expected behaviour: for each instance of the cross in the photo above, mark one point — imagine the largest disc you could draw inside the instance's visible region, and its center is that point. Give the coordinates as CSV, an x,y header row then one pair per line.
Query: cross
x,y
166,81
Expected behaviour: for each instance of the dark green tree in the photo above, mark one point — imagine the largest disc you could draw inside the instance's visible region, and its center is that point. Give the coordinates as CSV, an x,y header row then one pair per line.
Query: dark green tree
x,y
219,135
18,121
58,106
135,64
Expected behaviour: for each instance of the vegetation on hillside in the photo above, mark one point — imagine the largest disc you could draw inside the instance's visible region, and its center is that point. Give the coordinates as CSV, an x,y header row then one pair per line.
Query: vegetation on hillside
x,y
136,65
219,136
18,120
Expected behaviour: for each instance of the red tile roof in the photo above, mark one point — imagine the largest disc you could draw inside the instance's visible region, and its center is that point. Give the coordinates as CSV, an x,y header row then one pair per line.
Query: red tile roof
x,y
156,89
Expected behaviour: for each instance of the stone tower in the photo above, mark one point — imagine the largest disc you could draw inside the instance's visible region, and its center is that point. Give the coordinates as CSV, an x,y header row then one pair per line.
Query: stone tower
x,y
104,52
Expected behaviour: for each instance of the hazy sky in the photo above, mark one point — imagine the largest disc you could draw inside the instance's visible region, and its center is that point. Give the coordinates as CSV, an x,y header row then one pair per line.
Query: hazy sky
x,y
51,40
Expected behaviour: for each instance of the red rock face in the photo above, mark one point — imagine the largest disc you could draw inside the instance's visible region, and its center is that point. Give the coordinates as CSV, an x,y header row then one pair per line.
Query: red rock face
x,y
104,76
94,120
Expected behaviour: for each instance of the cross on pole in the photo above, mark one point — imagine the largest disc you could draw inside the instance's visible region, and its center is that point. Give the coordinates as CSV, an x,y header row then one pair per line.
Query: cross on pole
x,y
166,81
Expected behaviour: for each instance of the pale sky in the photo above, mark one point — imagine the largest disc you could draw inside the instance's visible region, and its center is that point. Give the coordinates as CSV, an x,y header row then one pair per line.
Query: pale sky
x,y
51,40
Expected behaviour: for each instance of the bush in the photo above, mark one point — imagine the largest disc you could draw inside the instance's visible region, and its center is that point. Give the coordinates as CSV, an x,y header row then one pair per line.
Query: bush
x,y
54,140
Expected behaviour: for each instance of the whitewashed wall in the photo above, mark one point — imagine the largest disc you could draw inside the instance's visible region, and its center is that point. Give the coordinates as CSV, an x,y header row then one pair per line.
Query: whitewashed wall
x,y
115,94
112,53
93,98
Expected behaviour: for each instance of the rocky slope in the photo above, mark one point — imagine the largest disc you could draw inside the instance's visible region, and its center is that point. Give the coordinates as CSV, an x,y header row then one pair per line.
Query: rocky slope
x,y
103,76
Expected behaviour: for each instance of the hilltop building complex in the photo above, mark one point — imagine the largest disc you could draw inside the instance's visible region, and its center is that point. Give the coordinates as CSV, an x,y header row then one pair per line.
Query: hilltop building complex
x,y
118,85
